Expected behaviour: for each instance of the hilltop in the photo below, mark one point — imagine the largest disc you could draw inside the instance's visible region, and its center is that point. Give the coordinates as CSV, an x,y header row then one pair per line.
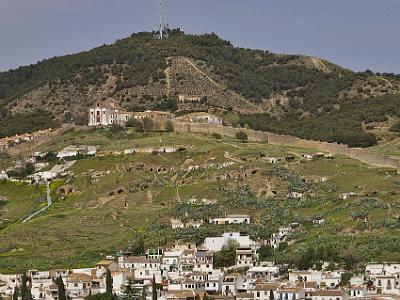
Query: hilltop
x,y
293,94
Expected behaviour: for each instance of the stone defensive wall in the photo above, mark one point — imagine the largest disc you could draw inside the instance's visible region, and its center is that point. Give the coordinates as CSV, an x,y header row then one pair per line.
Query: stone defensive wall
x,y
368,158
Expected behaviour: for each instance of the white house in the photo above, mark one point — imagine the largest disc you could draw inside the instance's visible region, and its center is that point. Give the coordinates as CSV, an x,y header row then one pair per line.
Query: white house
x,y
328,295
216,243
245,257
290,293
139,262
104,113
280,237
232,284
79,285
263,291
357,291
231,219
266,274
171,259
385,284
204,261
213,284
299,276
119,279
331,278
104,265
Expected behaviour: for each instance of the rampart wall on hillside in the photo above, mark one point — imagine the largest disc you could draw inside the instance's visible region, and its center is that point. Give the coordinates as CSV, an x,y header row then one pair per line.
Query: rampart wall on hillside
x,y
371,159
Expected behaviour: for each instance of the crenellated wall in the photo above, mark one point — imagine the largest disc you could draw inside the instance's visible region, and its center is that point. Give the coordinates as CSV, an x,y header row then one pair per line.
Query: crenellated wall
x,y
371,159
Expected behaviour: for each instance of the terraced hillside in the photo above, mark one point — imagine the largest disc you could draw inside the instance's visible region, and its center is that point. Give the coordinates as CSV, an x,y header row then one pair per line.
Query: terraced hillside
x,y
114,201
295,94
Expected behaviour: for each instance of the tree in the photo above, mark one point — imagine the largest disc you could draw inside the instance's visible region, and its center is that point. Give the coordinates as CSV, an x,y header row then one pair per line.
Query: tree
x,y
227,256
264,252
345,279
154,289
148,125
306,260
169,126
29,168
15,294
60,288
242,136
271,295
136,124
25,291
101,296
109,284
216,136
144,293
136,246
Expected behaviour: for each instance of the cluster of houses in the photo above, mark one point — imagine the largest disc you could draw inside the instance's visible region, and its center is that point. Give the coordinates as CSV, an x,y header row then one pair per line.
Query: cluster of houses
x,y
43,172
109,112
20,138
184,271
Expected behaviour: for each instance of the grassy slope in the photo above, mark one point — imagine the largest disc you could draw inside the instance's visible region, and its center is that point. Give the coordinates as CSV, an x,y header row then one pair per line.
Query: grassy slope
x,y
391,148
84,227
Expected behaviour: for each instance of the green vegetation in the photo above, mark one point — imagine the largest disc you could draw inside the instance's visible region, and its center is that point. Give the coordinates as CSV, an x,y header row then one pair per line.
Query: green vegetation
x,y
25,291
60,288
319,106
18,123
343,125
83,227
227,256
241,136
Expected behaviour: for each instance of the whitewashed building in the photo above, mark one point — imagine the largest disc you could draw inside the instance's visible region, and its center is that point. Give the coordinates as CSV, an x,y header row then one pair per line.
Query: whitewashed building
x,y
231,219
216,243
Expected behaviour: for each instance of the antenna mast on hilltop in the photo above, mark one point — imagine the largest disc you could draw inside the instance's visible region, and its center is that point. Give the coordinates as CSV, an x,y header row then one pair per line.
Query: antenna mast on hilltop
x,y
161,29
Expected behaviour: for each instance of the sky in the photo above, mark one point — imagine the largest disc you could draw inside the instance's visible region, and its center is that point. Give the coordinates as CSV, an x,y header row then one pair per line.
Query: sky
x,y
356,34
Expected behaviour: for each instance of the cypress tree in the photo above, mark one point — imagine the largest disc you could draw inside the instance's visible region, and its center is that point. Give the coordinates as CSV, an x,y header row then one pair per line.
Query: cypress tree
x,y
154,287
60,288
109,284
25,291
15,294
271,295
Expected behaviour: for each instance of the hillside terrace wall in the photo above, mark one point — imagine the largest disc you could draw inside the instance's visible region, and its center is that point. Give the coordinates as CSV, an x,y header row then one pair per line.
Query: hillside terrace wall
x,y
371,159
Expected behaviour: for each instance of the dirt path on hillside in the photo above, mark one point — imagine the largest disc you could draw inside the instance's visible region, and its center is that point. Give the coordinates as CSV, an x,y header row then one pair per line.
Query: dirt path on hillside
x,y
319,64
218,85
167,72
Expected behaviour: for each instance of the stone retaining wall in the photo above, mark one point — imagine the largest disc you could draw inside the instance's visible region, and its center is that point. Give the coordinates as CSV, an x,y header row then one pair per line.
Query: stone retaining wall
x,y
368,158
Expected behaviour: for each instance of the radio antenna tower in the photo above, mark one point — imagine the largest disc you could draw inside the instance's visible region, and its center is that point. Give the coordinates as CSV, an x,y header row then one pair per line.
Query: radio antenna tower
x,y
161,29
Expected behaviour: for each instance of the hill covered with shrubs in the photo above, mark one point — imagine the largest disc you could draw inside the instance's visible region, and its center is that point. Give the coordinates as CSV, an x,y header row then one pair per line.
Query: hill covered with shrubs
x,y
292,94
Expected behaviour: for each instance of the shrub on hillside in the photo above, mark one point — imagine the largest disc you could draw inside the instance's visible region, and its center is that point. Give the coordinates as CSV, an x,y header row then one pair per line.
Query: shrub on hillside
x,y
242,136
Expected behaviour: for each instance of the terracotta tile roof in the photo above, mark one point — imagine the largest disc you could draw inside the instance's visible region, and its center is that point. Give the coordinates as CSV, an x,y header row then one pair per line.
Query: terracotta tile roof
x,y
141,259
79,277
245,295
266,286
104,263
333,293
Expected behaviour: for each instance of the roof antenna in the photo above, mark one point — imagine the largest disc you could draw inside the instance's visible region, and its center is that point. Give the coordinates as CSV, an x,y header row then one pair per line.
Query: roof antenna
x,y
161,29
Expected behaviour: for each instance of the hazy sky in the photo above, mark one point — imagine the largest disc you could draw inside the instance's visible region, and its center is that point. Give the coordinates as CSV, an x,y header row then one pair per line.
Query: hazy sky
x,y
358,34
